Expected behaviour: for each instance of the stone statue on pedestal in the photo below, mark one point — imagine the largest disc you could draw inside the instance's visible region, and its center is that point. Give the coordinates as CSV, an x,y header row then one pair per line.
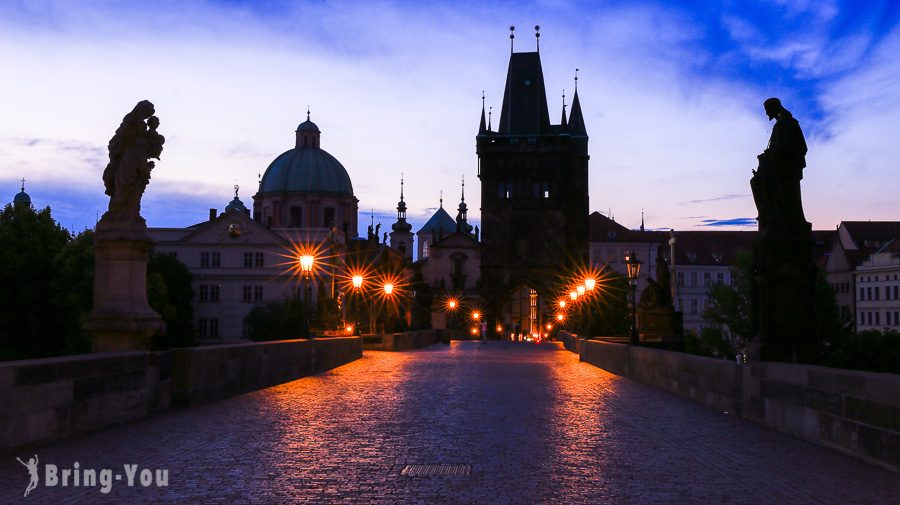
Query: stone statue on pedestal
x,y
784,270
131,149
122,318
657,319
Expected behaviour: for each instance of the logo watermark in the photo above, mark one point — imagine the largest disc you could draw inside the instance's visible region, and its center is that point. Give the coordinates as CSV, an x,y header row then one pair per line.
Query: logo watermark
x,y
103,479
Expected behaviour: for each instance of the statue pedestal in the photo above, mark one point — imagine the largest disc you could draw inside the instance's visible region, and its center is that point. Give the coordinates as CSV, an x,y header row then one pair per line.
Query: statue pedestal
x,y
122,318
783,296
660,325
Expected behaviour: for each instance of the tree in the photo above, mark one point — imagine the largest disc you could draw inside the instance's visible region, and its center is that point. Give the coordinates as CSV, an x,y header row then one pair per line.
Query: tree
x,y
277,320
169,293
727,313
31,324
74,288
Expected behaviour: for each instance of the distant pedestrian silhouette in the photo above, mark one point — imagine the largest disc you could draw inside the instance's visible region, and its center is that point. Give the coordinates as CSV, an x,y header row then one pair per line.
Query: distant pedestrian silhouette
x,y
32,467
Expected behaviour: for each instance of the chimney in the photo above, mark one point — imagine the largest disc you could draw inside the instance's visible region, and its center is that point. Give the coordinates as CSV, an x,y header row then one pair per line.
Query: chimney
x,y
212,214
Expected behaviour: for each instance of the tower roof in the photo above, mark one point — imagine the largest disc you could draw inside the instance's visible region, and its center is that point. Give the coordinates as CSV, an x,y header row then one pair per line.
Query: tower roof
x,y
440,219
524,110
576,119
22,198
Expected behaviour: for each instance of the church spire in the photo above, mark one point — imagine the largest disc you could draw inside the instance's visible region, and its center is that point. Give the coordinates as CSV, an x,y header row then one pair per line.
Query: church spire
x,y
563,123
482,129
462,220
401,225
642,219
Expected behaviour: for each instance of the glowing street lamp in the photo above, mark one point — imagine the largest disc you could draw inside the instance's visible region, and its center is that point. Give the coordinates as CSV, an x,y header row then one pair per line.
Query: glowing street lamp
x,y
634,271
476,315
307,261
306,264
580,289
590,283
452,305
388,292
573,295
562,304
357,281
560,317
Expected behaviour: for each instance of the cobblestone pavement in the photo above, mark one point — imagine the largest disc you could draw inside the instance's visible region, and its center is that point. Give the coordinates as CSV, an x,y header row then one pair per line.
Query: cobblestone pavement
x,y
535,425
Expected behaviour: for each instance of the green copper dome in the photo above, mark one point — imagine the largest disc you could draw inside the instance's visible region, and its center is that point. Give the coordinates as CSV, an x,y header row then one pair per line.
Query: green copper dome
x,y
306,167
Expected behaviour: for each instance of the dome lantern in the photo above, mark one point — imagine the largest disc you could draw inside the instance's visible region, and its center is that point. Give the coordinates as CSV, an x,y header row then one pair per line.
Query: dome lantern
x,y
308,134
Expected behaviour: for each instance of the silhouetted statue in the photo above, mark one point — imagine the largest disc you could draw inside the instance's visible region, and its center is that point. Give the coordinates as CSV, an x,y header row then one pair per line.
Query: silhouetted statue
x,y
784,271
135,142
476,233
776,183
384,238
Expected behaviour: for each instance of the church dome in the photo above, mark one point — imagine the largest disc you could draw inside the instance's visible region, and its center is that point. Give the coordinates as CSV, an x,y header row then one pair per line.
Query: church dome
x,y
22,198
306,167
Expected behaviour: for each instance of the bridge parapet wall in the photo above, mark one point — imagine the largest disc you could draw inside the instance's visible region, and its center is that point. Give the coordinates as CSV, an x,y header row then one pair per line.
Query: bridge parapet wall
x,y
50,399
857,413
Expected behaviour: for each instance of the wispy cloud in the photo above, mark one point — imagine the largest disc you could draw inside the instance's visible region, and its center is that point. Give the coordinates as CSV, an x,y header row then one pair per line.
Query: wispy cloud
x,y
732,196
733,222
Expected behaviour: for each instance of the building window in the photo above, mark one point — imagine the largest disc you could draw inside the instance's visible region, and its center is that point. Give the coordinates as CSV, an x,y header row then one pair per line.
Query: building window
x,y
204,259
328,217
258,259
172,255
720,278
877,318
296,217
204,293
246,293
214,293
546,190
862,293
257,293
208,327
895,292
215,260
707,279
424,249
869,293
862,318
248,260
877,292
694,306
679,279
693,279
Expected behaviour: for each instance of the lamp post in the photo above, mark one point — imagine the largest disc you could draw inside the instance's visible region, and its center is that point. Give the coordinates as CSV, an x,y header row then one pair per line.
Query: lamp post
x,y
589,283
389,301
357,286
451,306
476,317
634,270
306,265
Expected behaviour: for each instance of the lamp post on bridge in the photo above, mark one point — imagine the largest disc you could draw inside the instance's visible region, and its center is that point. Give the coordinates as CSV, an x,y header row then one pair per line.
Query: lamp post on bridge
x,y
634,271
306,265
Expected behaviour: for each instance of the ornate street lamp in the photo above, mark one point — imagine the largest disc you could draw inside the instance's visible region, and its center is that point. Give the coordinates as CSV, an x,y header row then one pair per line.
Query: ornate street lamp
x,y
357,287
452,305
389,301
634,271
307,261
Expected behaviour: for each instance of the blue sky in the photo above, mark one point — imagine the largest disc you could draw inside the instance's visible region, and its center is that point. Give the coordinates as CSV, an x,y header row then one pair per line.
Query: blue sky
x,y
672,94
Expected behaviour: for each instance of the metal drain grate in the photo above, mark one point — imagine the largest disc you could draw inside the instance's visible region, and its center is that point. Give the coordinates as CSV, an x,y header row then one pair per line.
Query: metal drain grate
x,y
436,470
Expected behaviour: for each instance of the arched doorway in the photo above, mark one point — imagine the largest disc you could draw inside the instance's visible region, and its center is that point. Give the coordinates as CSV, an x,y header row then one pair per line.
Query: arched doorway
x,y
521,314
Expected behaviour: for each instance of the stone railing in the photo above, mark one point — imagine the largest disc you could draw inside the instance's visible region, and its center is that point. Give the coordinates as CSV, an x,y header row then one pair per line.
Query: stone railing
x,y
410,339
857,413
54,398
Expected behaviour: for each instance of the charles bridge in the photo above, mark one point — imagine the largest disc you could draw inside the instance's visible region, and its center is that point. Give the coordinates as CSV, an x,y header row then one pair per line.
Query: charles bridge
x,y
464,422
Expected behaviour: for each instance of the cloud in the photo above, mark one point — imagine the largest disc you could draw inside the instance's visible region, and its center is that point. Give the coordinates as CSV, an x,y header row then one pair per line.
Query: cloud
x,y
733,222
717,199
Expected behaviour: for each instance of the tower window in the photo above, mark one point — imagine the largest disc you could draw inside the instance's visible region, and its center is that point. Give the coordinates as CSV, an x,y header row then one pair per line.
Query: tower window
x,y
328,217
424,248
